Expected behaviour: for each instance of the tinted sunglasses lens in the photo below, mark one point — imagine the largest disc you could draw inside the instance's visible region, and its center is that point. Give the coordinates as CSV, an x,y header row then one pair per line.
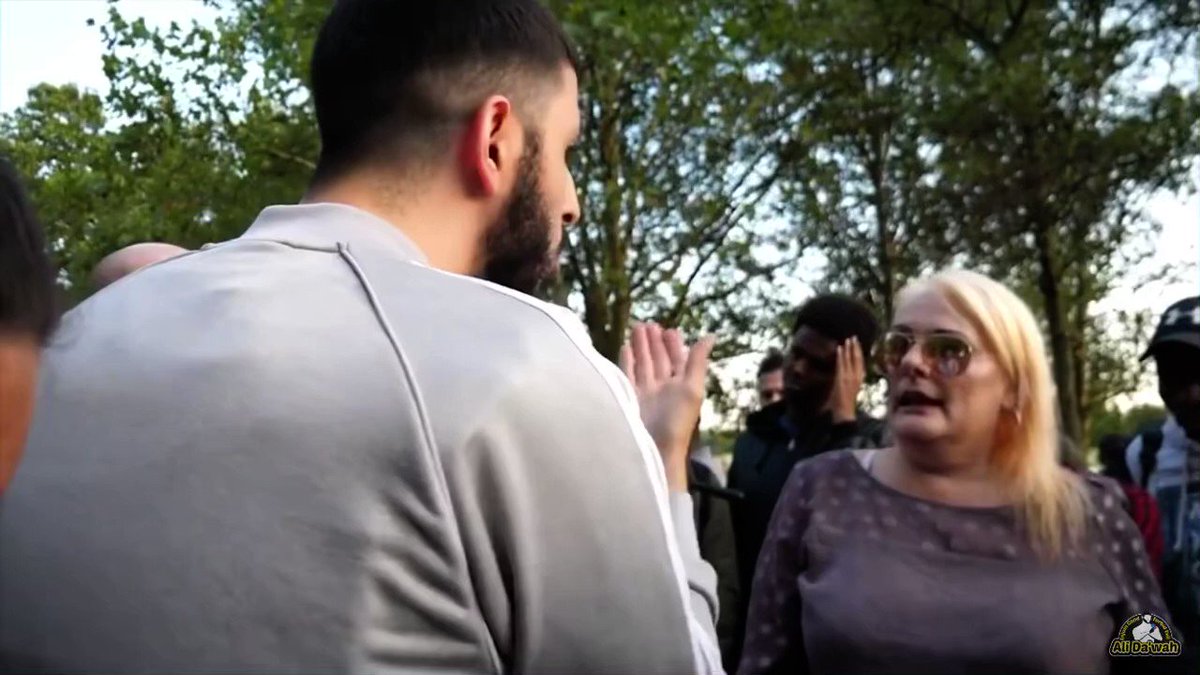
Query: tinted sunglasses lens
x,y
951,354
895,346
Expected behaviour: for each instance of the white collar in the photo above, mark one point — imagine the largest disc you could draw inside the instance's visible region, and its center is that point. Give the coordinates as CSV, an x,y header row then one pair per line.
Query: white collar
x,y
328,225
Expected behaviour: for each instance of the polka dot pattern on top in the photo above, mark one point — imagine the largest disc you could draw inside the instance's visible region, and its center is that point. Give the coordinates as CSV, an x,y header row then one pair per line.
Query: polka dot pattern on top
x,y
869,559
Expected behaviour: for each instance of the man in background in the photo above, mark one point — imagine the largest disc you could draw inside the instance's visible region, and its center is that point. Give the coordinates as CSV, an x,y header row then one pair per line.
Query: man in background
x,y
823,373
1166,461
28,315
122,263
714,528
770,379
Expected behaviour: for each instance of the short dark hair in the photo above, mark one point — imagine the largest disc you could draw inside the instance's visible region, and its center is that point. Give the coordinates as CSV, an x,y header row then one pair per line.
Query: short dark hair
x,y
1112,457
28,304
839,317
390,78
772,361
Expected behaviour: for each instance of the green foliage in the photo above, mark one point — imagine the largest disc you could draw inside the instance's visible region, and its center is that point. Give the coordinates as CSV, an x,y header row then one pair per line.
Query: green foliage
x,y
1017,138
722,139
201,128
1110,420
1047,143
676,164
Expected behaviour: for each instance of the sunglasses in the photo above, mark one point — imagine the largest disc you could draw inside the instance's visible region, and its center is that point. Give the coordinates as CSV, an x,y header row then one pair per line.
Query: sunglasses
x,y
949,353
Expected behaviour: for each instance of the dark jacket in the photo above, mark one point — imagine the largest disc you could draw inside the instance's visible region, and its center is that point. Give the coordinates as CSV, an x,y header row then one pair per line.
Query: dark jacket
x,y
714,529
763,457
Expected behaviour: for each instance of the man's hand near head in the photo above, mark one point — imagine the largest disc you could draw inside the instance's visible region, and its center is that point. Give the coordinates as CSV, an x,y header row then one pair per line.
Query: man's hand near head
x,y
847,382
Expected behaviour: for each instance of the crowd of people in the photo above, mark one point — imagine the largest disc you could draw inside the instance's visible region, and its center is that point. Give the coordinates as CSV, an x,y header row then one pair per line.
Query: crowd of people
x,y
351,440
909,518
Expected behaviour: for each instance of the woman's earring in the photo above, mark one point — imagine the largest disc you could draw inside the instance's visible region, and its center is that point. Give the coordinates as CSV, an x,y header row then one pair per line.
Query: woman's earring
x,y
1016,414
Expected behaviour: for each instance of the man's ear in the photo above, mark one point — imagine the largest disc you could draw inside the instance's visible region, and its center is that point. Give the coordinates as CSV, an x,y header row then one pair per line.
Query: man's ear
x,y
491,144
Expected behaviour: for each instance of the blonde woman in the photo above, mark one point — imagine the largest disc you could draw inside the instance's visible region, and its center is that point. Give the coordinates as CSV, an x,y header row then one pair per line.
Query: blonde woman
x,y
965,547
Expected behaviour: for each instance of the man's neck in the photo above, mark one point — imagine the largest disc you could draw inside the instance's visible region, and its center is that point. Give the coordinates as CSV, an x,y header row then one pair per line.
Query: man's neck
x,y
437,223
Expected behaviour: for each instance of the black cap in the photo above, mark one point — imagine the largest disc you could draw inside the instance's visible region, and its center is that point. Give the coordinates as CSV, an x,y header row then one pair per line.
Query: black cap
x,y
1180,323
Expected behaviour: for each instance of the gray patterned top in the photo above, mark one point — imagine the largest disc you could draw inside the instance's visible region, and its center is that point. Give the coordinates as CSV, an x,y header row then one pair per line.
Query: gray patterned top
x,y
858,577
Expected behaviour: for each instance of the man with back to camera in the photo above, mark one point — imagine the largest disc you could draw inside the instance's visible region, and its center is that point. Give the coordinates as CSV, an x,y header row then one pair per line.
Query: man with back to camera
x,y
823,372
1166,461
261,457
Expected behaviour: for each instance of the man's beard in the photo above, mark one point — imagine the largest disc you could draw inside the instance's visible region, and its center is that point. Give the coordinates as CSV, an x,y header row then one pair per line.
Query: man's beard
x,y
517,246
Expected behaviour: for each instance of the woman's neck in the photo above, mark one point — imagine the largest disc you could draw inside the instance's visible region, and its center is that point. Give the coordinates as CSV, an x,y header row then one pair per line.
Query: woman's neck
x,y
959,477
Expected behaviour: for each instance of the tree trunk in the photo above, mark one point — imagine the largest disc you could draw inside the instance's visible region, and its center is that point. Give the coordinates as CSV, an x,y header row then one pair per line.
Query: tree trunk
x,y
1060,345
608,306
884,236
1079,353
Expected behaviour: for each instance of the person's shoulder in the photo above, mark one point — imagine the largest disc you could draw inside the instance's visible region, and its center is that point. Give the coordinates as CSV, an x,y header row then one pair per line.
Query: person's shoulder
x,y
499,317
813,481
833,461
744,438
1135,445
821,469
1104,492
452,321
470,339
763,424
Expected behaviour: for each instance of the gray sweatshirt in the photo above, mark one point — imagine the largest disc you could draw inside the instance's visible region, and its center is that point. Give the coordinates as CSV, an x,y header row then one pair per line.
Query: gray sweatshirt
x,y
305,450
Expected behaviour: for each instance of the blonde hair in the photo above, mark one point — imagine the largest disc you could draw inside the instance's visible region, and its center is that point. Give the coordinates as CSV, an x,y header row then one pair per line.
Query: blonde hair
x,y
1051,501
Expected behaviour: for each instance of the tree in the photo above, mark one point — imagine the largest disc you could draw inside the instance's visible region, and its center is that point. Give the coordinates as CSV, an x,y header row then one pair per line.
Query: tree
x,y
857,157
1013,137
210,123
58,139
1045,146
721,138
238,87
201,128
676,164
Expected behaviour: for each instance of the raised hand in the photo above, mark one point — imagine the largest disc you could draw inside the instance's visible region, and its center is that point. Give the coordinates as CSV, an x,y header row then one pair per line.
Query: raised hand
x,y
669,380
847,382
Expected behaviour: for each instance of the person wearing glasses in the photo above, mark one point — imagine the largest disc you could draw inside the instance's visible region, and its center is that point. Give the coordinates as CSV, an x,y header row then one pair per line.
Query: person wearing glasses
x,y
965,547
823,372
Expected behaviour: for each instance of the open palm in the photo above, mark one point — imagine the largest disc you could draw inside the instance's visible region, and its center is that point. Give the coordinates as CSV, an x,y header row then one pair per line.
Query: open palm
x,y
669,380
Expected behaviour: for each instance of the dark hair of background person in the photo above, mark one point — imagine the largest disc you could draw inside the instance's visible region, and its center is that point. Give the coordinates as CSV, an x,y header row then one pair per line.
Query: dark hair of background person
x,y
28,298
772,361
840,317
1112,457
391,79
